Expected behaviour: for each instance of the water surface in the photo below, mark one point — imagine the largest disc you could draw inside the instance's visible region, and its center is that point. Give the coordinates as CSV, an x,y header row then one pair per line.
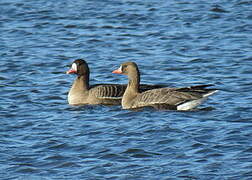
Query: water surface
x,y
177,43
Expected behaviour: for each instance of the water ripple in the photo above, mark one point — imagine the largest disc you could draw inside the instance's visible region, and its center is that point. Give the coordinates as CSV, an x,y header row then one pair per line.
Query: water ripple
x,y
174,43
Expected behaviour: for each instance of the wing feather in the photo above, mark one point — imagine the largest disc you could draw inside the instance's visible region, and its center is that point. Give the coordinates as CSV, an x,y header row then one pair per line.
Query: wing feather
x,y
163,96
116,91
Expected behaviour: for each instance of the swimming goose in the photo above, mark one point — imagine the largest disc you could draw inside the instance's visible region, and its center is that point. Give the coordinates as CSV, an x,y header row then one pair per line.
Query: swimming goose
x,y
83,93
165,98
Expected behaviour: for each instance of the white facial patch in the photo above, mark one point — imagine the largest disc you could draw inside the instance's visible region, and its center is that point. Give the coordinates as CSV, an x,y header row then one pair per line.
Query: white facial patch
x,y
120,68
74,66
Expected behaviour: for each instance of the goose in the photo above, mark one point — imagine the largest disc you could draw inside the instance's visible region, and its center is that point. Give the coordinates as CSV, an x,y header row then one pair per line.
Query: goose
x,y
81,92
183,99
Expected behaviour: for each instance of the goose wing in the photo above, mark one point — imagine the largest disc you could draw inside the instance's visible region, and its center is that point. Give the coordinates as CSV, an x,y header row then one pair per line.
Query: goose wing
x,y
169,97
116,91
108,91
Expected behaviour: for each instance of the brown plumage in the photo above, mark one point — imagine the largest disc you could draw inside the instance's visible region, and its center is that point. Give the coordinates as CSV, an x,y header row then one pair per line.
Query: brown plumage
x,y
166,98
83,93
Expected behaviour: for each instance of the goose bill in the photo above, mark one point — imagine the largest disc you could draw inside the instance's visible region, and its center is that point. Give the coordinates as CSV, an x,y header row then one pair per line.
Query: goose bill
x,y
118,71
71,71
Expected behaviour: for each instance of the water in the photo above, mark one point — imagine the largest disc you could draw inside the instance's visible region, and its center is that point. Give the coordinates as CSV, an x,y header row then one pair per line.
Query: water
x,y
177,43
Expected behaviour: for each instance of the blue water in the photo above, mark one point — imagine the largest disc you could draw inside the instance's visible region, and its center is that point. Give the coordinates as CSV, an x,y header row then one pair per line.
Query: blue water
x,y
177,43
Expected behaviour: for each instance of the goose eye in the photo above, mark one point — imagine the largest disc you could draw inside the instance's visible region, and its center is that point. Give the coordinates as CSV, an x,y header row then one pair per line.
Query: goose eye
x,y
123,68
74,66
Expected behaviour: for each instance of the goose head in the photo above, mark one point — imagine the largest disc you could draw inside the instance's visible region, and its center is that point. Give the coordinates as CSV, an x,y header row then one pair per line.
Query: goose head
x,y
127,68
79,67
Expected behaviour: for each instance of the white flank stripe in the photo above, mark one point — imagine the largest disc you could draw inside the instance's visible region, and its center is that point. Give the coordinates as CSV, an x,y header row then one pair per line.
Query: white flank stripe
x,y
190,105
194,103
210,93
